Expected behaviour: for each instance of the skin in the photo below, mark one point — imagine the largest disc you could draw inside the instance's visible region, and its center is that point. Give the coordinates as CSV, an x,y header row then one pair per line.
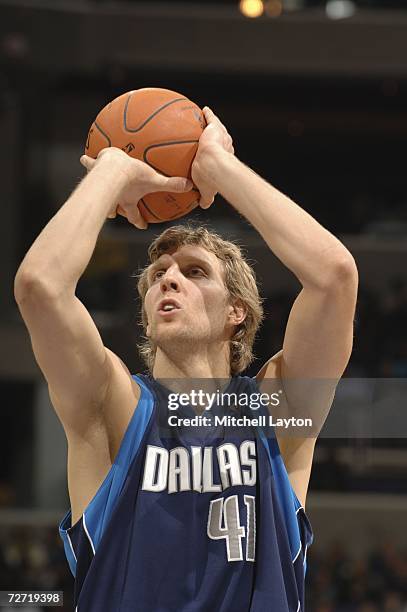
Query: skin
x,y
194,340
91,388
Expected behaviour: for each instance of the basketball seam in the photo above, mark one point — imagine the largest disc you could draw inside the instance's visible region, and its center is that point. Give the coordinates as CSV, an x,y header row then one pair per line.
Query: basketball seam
x,y
104,134
163,144
151,212
172,216
133,131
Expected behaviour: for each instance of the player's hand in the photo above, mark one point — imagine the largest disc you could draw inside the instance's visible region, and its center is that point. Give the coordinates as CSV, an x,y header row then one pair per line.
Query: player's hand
x,y
139,180
215,140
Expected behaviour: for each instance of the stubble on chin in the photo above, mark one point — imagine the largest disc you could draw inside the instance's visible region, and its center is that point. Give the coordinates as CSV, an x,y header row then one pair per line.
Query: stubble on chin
x,y
179,341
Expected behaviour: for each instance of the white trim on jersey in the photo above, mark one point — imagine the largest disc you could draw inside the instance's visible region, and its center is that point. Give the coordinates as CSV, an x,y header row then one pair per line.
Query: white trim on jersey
x,y
87,532
305,555
296,556
70,544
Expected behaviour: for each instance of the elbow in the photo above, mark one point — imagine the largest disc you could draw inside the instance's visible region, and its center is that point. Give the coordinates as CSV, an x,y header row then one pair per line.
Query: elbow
x,y
338,273
345,269
28,285
25,284
22,282
342,273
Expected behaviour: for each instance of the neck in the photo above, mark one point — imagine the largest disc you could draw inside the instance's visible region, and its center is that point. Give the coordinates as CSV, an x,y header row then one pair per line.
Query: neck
x,y
211,362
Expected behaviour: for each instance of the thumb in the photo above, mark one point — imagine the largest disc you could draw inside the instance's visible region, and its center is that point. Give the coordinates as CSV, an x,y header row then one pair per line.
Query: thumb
x,y
87,162
176,184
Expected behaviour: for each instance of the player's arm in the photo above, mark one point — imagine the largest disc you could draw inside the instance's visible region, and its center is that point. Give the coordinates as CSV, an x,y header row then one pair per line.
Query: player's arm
x,y
65,341
79,370
91,389
319,333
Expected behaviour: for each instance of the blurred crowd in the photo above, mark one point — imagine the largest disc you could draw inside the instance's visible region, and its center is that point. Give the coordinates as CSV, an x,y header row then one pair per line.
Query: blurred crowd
x,y
32,558
375,582
381,332
380,338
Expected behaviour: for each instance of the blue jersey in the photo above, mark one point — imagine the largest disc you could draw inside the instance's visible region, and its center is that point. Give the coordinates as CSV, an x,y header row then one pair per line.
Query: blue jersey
x,y
190,520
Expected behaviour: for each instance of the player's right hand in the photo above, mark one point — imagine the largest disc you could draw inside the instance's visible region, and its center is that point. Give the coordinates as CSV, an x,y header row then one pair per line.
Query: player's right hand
x,y
139,180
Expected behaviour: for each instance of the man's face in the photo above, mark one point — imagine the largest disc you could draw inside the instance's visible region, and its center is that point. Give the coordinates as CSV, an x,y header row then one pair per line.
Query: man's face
x,y
187,301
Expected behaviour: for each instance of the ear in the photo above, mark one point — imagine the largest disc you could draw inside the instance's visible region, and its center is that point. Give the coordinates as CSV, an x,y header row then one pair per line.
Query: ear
x,y
237,312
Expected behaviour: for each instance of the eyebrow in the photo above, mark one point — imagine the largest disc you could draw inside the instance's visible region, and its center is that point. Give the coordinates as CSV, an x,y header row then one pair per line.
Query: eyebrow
x,y
195,259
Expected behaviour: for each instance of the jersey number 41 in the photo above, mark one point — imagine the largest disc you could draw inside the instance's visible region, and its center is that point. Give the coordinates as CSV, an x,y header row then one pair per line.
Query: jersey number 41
x,y
224,523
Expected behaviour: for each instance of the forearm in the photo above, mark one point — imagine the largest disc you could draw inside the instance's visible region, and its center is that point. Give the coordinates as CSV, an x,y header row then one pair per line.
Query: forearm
x,y
310,251
62,251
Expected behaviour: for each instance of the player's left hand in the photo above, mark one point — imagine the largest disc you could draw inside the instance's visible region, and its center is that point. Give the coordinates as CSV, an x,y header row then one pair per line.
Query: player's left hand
x,y
215,140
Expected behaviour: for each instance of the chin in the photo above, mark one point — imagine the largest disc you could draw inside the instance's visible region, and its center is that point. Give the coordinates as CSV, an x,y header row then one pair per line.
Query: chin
x,y
176,335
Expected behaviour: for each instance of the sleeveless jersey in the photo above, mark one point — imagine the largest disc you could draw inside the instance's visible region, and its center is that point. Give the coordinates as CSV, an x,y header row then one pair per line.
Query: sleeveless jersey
x,y
190,520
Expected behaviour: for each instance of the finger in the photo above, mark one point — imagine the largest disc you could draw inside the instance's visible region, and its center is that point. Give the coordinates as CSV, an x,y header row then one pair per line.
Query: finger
x,y
215,119
107,150
135,217
113,214
87,162
206,199
212,118
120,211
206,203
208,112
209,115
174,184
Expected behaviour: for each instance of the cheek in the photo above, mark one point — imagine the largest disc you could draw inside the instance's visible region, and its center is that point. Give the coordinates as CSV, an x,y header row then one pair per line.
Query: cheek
x,y
147,303
216,304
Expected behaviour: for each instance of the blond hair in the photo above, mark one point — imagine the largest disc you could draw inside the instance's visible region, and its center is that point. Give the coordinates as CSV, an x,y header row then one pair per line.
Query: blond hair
x,y
240,281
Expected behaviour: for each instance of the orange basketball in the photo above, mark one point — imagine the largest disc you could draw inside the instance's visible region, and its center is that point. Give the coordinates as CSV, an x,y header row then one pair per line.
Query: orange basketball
x,y
160,127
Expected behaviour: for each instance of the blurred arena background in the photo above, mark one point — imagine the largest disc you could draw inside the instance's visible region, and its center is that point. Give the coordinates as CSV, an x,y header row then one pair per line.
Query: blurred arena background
x,y
314,93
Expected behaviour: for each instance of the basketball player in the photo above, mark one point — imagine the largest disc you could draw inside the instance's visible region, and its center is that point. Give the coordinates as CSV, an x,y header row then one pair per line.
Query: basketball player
x,y
185,522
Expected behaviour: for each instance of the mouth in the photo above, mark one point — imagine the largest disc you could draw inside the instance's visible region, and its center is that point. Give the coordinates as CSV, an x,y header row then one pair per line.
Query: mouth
x,y
168,307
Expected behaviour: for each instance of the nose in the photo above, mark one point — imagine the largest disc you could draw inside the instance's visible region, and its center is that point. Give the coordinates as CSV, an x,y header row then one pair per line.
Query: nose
x,y
169,282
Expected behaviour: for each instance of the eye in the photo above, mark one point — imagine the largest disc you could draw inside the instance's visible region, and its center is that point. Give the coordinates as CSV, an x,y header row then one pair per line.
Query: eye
x,y
158,274
196,271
